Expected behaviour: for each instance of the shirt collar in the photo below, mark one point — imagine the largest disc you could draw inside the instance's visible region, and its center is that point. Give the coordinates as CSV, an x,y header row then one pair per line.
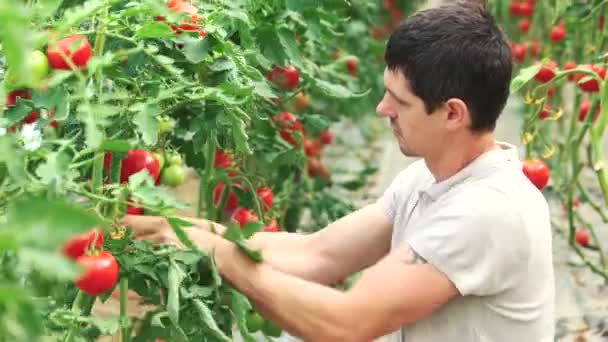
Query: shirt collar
x,y
505,153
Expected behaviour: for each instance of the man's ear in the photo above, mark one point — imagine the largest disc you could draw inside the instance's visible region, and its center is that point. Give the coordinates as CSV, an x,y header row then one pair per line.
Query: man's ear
x,y
457,114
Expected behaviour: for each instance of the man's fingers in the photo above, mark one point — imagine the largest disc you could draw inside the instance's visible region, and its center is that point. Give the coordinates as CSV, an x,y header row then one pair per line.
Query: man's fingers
x,y
144,225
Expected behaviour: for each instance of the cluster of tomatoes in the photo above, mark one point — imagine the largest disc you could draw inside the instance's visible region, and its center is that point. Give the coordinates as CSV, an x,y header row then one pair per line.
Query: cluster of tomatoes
x,y
73,52
191,22
240,214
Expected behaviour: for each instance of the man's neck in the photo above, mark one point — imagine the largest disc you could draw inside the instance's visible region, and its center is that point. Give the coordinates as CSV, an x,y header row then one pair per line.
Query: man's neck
x,y
452,159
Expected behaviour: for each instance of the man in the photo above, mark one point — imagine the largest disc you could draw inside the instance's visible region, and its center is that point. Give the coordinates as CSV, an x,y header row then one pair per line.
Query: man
x,y
459,247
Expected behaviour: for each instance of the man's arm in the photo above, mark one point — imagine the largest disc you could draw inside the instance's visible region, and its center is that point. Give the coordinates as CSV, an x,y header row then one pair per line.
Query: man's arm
x,y
401,289
344,247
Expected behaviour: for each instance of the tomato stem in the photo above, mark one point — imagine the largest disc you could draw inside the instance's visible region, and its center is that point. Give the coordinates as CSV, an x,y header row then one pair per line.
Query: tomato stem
x,y
125,335
204,194
76,309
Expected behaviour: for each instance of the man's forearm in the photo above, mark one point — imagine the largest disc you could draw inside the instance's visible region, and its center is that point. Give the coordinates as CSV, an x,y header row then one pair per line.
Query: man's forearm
x,y
316,313
290,253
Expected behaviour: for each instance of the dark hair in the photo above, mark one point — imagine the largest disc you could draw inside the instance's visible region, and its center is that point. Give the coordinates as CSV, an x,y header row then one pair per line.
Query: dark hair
x,y
455,50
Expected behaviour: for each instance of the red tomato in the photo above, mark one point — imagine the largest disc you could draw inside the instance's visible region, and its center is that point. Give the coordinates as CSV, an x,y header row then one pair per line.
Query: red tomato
x,y
526,9
519,52
289,123
266,197
600,22
557,33
326,137
31,118
551,91
545,112
272,227
242,216
546,72
135,210
11,98
101,273
537,172
590,86
78,245
79,56
222,160
584,110
351,66
377,33
137,160
582,237
231,201
286,78
570,66
524,25
515,8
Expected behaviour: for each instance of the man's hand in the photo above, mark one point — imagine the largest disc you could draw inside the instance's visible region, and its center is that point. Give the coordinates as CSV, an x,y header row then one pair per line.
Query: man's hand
x,y
157,230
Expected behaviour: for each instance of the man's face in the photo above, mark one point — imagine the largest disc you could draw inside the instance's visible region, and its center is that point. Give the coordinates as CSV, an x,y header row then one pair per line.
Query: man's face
x,y
417,132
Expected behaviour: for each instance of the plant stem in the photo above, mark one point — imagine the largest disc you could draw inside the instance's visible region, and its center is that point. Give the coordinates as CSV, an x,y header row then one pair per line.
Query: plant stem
x,y
125,334
205,179
76,309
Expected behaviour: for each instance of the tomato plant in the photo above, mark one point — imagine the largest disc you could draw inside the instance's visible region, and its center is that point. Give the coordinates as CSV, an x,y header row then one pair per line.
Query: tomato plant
x,y
560,71
108,102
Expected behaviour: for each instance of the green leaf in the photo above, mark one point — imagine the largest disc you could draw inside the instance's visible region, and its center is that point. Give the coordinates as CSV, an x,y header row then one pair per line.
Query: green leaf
x,y
240,306
106,326
157,319
34,217
336,90
147,122
177,224
288,42
207,318
46,8
114,145
252,228
53,170
239,134
253,254
50,264
175,278
196,50
155,30
14,159
525,75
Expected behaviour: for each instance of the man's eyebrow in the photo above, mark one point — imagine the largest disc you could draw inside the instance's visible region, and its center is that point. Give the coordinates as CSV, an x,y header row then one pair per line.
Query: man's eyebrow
x,y
393,94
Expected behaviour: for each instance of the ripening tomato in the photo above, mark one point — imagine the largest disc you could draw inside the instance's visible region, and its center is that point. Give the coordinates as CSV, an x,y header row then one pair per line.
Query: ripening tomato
x,y
582,237
137,160
301,101
311,147
534,47
316,168
101,273
79,56
526,9
551,91
286,78
79,244
515,8
546,72
289,123
537,172
242,216
266,197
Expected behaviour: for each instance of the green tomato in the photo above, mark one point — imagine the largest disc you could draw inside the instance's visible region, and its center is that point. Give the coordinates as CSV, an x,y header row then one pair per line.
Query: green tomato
x,y
255,322
40,65
271,329
165,125
174,159
173,175
160,156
